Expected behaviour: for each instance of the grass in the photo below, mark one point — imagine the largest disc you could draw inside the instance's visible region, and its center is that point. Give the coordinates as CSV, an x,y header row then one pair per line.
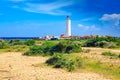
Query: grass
x,y
3,50
17,48
111,55
107,69
43,41
86,50
108,53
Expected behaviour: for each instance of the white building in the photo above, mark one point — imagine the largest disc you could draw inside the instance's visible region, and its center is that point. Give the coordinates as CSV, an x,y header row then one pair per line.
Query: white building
x,y
68,27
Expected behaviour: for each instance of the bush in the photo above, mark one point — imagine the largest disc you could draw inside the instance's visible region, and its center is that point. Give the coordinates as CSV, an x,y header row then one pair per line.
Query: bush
x,y
90,43
119,56
4,44
29,42
65,61
67,47
108,54
100,43
49,49
35,50
16,42
112,45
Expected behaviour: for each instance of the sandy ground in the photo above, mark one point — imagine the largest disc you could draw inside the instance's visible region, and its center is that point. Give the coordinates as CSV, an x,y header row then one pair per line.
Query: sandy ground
x,y
14,66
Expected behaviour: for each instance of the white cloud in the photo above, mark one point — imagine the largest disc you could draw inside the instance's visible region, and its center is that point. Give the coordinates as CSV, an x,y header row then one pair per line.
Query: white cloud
x,y
54,8
80,25
91,27
112,18
87,19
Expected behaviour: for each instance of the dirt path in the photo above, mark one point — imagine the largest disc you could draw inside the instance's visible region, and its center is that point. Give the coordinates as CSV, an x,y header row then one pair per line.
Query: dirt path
x,y
14,66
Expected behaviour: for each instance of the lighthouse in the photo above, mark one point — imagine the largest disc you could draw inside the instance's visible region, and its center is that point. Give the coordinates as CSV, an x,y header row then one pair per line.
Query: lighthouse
x,y
68,27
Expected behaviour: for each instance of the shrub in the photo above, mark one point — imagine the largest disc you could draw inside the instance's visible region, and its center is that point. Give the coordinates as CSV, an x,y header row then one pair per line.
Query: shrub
x,y
100,43
112,45
35,50
90,43
65,61
16,42
108,54
29,42
4,44
67,47
50,49
119,56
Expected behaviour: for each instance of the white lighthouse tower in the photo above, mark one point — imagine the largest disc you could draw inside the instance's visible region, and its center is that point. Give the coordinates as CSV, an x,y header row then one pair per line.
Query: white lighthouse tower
x,y
68,27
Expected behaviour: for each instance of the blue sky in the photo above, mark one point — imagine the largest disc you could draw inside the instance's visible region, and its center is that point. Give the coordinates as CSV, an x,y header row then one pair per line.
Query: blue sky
x,y
37,18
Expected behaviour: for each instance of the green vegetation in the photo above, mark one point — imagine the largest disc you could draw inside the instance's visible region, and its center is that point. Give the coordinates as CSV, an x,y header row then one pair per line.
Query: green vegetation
x,y
45,49
15,45
4,50
111,55
108,53
34,51
65,53
29,42
4,45
103,42
67,47
74,61
18,48
49,48
107,69
65,61
15,42
62,46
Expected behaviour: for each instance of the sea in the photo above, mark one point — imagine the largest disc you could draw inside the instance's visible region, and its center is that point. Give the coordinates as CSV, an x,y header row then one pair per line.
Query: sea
x,y
18,38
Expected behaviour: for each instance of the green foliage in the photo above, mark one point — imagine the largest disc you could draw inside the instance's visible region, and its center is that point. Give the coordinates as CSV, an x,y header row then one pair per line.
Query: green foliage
x,y
16,42
108,54
119,56
65,61
100,42
44,49
34,50
49,48
111,55
18,48
4,44
49,43
29,42
67,47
